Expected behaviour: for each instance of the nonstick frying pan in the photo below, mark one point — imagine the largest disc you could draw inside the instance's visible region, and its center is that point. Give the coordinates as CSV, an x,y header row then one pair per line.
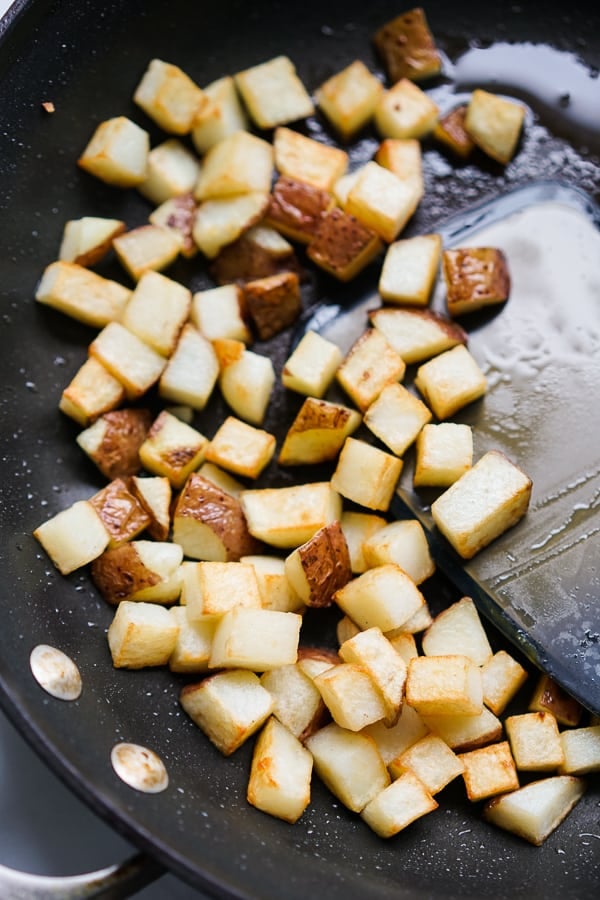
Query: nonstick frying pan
x,y
86,57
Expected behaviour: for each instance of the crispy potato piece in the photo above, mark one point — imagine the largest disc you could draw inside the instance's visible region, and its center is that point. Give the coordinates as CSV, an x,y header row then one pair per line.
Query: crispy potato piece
x,y
154,493
502,677
320,567
192,649
169,97
475,277
220,117
91,393
488,771
213,588
386,668
494,124
280,773
366,475
288,516
458,629
192,370
342,245
257,253
141,635
444,453
157,311
381,200
384,597
447,685
405,800
370,365
117,153
172,170
123,515
113,442
396,417
450,381
81,294
312,365
221,220
272,303
178,214
87,240
239,164
139,571
581,749
431,760
306,160
405,111
533,812
548,696
358,528
148,247
273,93
349,97
275,590
351,696
298,703
404,543
451,132
73,537
172,448
466,732
409,270
417,334
407,47
132,362
296,208
246,380
241,448
318,432
535,741
256,639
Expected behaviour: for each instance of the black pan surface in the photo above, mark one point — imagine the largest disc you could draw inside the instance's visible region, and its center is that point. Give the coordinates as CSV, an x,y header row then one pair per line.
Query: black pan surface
x,y
87,57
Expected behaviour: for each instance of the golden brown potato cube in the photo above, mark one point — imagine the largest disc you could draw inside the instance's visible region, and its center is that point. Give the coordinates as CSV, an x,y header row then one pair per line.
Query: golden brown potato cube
x,y
272,303
91,392
229,707
394,808
451,132
382,201
393,741
178,214
214,588
149,247
396,417
194,639
484,502
581,749
241,448
280,773
548,696
447,685
217,313
87,240
475,277
403,643
384,597
257,639
349,97
318,432
239,164
502,677
169,97
409,270
113,442
312,365
172,448
82,294
140,571
273,93
342,245
123,515
358,528
320,566
275,590
73,537
417,334
117,153
298,703
405,111
296,208
535,741
372,651
450,381
157,311
404,543
463,733
134,363
221,220
370,365
458,629
172,170
366,475
192,370
220,117
288,516
154,493
307,160
431,760
444,453
141,635
494,124
489,771
407,47
405,159
351,696
258,252
533,812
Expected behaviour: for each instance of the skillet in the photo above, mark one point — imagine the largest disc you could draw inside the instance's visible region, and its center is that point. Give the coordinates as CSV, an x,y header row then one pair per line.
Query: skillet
x,y
86,57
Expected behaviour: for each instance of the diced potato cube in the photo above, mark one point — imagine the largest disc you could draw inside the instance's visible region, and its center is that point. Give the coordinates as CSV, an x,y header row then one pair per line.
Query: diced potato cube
x,y
320,566
416,334
366,475
307,160
123,515
466,732
172,448
431,760
221,479
349,97
145,571
458,629
229,707
136,365
296,208
222,220
405,111
396,417
91,392
117,153
169,97
239,164
581,749
344,185
192,648
349,764
221,116
535,741
484,502
257,639
178,214
405,159
342,245
149,247
475,277
273,93
358,528
407,47
409,270
272,303
533,812
450,381
403,642
451,132
157,311
373,652
246,380
447,685
280,774
192,370
172,170
261,251
368,367
502,677
548,696
384,597
405,800
215,588
154,493
73,537
393,741
275,590
404,543
298,703
494,123
318,432
288,516
82,294
141,635
113,441
241,448
217,313
418,622
311,367
444,453
488,771
87,240
382,201
314,660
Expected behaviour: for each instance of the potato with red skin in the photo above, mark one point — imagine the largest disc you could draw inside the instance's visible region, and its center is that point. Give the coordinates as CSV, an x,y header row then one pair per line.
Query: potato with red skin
x,y
114,440
475,277
407,47
296,208
250,257
123,515
320,567
342,245
272,303
139,571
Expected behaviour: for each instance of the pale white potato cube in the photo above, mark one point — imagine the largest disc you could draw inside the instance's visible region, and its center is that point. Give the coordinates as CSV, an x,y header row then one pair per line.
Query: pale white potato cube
x,y
373,652
447,685
405,800
91,392
318,432
169,97
273,93
241,448
366,474
275,590
194,639
348,99
147,247
154,493
289,516
349,764
192,370
405,111
257,639
247,383
221,479
382,201
384,597
404,157
222,220
418,622
416,334
396,417
87,240
431,760
502,677
533,812
132,362
494,123
581,750
117,153
458,629
344,184
229,707
141,635
217,313
312,365
350,695
221,116
308,160
215,588
404,543
535,741
466,732
280,773
444,452
450,381
484,502
139,570
409,270
157,311
368,366
239,164
81,294
172,170
172,448
393,741
403,643
73,537
298,703
358,528
488,771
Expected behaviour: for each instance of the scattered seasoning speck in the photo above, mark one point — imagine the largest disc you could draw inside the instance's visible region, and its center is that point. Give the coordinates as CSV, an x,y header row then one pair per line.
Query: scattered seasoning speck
x,y
139,767
55,672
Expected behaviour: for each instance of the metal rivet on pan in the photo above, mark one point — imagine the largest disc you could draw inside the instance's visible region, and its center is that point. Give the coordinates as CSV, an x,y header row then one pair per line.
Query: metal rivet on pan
x,y
55,672
139,767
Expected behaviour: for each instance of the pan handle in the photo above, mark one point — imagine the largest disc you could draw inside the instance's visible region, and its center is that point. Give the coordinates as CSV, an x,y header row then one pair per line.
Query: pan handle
x,y
113,883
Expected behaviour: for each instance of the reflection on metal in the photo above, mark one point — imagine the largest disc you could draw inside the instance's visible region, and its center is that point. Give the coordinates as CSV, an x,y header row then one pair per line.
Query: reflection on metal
x,y
139,767
55,672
